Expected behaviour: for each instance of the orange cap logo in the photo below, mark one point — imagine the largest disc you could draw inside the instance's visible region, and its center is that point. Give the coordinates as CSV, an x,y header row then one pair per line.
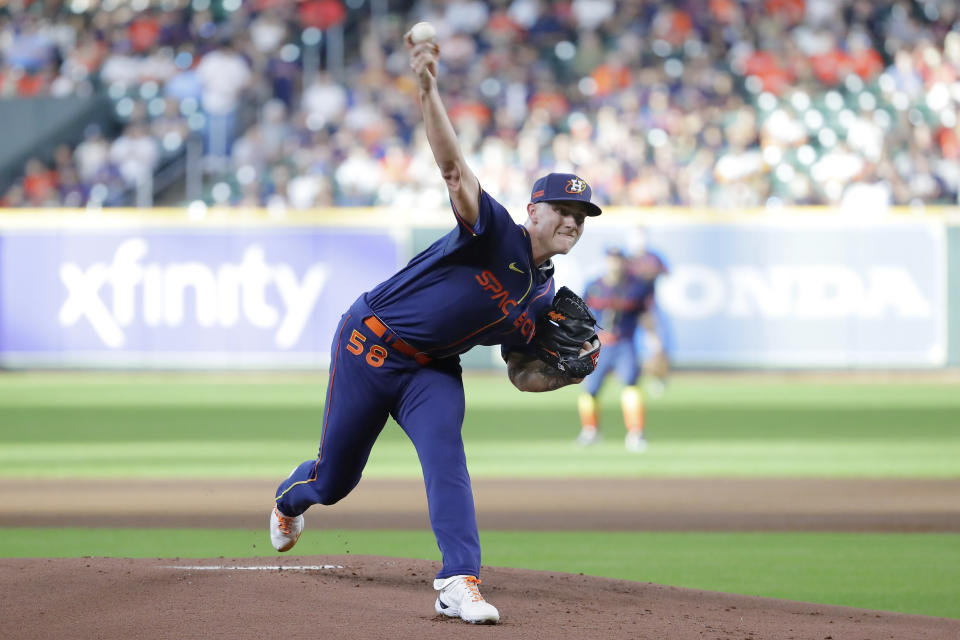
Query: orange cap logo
x,y
575,185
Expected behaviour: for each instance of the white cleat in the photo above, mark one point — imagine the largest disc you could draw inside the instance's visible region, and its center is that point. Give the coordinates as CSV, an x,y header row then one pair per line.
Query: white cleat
x,y
588,437
284,530
460,597
635,443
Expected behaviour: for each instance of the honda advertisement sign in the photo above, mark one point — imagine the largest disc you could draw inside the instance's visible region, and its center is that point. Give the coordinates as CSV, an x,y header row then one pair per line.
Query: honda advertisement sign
x,y
794,294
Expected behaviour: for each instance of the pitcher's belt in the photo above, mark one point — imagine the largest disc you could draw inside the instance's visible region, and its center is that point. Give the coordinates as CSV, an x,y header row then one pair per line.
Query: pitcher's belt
x,y
393,340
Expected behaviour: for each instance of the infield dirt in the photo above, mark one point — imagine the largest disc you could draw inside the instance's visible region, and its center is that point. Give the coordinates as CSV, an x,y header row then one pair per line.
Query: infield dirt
x,y
372,597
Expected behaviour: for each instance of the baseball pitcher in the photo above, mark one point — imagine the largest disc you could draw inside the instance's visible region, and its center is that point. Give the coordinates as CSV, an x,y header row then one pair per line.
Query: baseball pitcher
x,y
489,281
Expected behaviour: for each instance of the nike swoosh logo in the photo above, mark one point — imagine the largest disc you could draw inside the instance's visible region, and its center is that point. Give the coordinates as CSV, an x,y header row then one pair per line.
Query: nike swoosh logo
x,y
513,267
443,605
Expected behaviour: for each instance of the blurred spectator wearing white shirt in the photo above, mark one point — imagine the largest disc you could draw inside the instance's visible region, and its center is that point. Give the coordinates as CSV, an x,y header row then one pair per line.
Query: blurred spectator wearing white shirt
x,y
223,74
325,102
92,154
135,154
268,31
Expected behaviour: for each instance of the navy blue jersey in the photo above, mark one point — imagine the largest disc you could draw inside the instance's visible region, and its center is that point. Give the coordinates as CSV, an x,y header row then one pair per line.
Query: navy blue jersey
x,y
475,285
618,307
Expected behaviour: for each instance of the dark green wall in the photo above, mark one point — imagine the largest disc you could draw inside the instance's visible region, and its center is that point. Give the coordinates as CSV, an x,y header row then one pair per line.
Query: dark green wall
x,y
34,126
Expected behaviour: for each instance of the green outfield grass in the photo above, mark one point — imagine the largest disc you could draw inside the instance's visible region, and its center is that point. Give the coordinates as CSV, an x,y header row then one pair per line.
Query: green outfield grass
x,y
118,425
152,425
910,573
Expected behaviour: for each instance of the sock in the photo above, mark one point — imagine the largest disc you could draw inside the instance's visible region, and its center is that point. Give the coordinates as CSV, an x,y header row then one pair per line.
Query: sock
x,y
631,400
587,405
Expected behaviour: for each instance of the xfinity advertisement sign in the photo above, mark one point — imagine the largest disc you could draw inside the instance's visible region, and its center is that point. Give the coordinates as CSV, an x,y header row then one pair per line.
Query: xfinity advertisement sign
x,y
222,295
804,295
159,297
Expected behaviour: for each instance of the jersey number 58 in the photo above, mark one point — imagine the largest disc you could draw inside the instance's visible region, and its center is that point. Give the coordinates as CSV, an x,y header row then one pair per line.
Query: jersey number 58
x,y
375,356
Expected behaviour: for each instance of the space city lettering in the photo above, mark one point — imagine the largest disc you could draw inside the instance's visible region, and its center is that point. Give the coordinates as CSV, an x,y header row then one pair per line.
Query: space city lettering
x,y
489,282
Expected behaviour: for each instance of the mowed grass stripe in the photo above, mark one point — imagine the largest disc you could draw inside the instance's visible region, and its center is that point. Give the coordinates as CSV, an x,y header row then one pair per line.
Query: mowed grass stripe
x,y
528,458
37,389
484,422
258,426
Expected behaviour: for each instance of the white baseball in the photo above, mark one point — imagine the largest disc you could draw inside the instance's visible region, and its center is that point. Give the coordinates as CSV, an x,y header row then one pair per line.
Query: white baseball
x,y
423,32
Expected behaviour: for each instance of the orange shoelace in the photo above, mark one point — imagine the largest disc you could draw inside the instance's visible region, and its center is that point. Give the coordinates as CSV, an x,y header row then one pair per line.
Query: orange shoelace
x,y
283,522
472,583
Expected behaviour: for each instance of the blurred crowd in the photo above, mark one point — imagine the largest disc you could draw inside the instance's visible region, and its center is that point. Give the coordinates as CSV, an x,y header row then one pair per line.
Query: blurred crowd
x,y
717,103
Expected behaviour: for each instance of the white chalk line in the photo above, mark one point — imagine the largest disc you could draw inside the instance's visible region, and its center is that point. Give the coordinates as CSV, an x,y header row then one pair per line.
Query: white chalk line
x,y
272,567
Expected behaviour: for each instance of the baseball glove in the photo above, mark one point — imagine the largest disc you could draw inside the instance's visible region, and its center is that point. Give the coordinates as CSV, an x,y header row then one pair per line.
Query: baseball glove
x,y
657,365
561,331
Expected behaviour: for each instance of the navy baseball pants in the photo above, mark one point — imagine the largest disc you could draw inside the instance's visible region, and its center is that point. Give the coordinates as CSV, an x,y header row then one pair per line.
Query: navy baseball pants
x,y
621,356
370,380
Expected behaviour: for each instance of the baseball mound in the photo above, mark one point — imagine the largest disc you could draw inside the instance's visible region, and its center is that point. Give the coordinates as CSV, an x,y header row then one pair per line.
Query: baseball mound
x,y
372,597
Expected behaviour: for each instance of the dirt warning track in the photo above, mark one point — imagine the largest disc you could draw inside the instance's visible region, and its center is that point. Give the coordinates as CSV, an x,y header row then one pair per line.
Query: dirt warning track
x,y
629,504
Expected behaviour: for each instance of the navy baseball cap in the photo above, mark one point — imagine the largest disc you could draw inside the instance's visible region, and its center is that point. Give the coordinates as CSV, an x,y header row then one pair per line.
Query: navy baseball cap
x,y
564,187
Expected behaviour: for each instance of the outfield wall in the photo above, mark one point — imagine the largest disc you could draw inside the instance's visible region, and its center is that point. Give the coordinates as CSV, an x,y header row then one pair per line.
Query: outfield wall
x,y
953,295
237,289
